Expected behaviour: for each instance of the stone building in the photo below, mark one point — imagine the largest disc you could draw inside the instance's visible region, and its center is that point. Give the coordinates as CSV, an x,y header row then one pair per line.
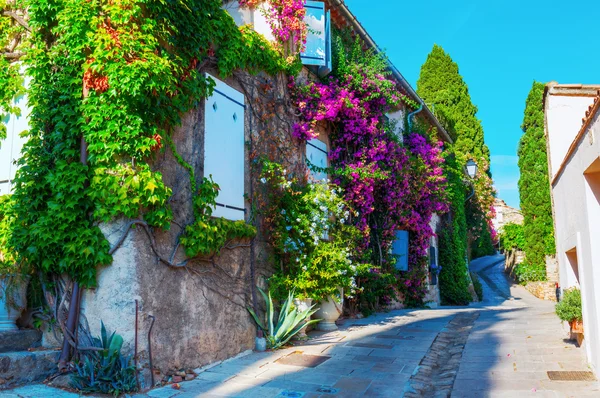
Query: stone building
x,y
573,134
505,215
200,317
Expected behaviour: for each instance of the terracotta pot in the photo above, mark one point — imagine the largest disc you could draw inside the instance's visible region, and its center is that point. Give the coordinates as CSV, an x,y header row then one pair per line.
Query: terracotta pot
x,y
302,305
15,289
576,326
330,310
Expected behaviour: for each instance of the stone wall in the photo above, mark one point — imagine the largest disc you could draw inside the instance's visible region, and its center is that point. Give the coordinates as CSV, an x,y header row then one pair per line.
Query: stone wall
x,y
200,311
545,290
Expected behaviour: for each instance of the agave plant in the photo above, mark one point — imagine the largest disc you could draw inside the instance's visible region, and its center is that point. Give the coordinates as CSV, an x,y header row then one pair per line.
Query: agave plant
x,y
105,370
289,323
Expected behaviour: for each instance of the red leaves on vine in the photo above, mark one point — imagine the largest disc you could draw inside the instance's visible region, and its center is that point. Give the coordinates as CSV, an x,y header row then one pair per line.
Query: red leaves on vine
x,y
158,145
95,81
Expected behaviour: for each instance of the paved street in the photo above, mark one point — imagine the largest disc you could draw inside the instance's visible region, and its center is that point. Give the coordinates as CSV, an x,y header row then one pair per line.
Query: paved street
x,y
501,347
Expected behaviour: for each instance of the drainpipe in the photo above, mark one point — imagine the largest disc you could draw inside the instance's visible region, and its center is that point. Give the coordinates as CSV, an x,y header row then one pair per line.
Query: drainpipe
x,y
410,116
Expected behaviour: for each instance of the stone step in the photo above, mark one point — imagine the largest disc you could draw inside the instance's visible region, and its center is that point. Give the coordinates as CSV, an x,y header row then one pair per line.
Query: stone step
x,y
25,367
20,340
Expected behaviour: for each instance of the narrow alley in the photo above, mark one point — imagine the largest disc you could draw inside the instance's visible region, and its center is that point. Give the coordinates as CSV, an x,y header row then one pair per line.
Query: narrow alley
x,y
501,347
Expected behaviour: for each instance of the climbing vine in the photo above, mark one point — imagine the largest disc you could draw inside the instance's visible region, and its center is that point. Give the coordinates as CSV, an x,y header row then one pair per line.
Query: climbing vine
x,y
111,81
391,185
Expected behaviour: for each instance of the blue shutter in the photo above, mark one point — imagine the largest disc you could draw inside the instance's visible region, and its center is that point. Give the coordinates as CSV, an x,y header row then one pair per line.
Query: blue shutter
x,y
224,149
316,39
325,70
316,154
400,250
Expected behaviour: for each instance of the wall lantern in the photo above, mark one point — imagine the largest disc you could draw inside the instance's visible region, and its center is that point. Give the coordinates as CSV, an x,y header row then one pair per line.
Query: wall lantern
x,y
471,168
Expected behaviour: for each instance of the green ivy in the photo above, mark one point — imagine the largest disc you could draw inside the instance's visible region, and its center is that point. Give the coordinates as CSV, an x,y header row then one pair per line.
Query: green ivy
x,y
512,237
454,281
120,75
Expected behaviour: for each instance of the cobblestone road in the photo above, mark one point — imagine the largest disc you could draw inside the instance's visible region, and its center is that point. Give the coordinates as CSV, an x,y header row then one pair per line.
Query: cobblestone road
x,y
501,347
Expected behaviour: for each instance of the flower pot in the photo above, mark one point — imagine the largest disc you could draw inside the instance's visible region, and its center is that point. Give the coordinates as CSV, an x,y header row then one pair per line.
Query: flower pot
x,y
329,311
302,305
13,300
576,326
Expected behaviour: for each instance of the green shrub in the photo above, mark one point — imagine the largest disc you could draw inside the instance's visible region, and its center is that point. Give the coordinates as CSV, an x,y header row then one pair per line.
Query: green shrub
x,y
530,272
477,285
512,237
105,371
569,308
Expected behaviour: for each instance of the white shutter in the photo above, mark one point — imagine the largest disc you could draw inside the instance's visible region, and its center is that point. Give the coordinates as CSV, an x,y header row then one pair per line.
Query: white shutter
x,y
400,250
316,154
224,148
10,148
316,40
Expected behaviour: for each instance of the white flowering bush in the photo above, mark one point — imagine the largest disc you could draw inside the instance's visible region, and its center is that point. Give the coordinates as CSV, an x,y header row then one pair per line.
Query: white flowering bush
x,y
312,237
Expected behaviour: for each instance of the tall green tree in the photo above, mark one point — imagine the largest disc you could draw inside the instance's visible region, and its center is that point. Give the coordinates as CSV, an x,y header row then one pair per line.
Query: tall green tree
x,y
443,88
534,189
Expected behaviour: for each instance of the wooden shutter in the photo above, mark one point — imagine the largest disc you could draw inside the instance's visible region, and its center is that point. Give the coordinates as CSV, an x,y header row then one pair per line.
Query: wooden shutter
x,y
316,154
316,52
10,148
400,250
224,148
432,256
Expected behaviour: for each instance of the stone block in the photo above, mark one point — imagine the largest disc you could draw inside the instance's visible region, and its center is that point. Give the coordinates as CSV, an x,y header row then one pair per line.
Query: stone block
x,y
19,340
24,367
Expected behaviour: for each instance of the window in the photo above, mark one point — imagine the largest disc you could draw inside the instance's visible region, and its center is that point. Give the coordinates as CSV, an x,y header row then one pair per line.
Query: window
x,y
396,118
10,148
224,148
316,156
400,250
318,40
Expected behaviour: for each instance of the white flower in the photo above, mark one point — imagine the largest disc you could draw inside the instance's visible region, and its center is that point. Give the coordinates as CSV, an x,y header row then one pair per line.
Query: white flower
x,y
263,180
304,268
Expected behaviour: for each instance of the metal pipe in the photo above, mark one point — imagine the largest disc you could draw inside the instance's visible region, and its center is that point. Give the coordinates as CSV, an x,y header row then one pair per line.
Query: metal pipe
x,y
150,349
472,192
410,116
135,348
395,72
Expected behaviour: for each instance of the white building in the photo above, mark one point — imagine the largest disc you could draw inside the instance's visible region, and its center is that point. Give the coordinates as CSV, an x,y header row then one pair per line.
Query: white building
x,y
573,135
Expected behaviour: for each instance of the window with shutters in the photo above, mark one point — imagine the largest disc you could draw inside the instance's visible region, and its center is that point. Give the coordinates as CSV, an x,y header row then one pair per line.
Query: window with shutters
x,y
318,39
224,149
10,148
316,157
400,250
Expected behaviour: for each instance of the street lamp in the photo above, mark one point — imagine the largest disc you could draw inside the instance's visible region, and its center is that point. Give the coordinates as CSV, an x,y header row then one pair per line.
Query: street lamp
x,y
471,168
471,172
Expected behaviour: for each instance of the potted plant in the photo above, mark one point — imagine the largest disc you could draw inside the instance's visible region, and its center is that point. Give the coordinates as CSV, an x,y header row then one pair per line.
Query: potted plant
x,y
569,310
13,284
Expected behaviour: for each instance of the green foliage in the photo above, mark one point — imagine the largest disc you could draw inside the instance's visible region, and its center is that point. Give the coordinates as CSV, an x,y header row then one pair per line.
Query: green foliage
x,y
477,286
13,41
530,272
289,323
453,278
310,236
534,189
119,75
512,237
441,86
8,264
482,246
105,371
207,235
569,307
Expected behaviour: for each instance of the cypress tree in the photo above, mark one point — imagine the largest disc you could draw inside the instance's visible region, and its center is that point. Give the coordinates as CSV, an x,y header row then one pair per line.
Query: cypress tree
x,y
443,88
534,189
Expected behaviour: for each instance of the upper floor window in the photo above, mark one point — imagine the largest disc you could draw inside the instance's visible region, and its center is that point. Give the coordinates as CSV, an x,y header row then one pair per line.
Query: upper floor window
x,y
224,148
318,39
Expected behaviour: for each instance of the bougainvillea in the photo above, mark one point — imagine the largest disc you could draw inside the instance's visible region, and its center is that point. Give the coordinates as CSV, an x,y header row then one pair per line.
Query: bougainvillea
x,y
286,20
390,185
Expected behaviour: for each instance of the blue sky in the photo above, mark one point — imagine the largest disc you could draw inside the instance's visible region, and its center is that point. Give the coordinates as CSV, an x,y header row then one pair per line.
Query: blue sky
x,y
500,48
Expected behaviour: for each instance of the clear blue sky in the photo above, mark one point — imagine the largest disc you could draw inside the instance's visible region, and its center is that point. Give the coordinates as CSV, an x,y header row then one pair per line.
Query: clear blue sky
x,y
500,48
